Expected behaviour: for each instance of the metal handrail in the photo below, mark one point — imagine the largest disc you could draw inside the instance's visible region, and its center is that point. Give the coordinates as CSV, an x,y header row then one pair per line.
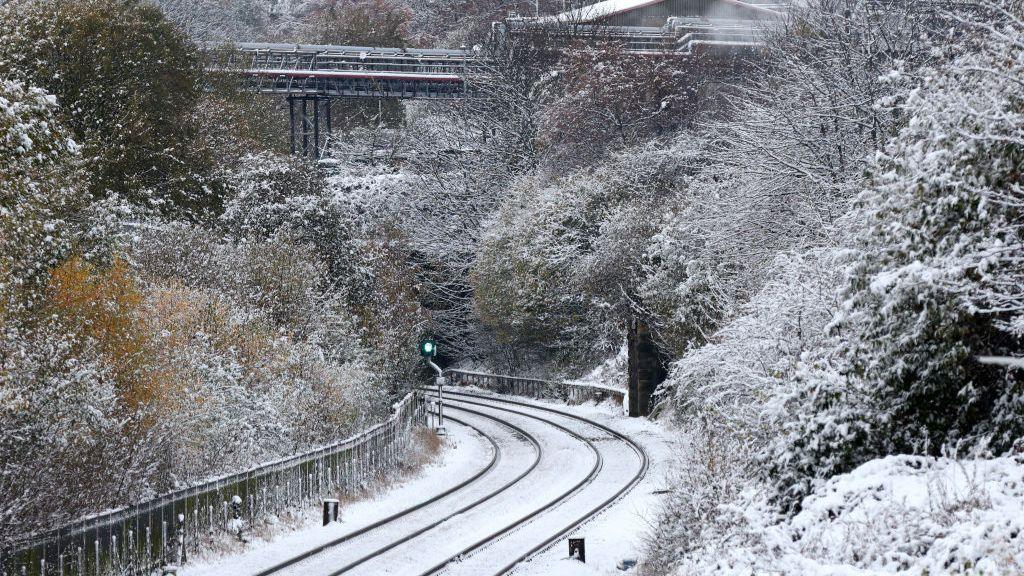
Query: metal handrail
x,y
135,539
572,392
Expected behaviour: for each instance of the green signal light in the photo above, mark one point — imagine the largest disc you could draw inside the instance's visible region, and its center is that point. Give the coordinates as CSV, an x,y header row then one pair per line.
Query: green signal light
x,y
428,348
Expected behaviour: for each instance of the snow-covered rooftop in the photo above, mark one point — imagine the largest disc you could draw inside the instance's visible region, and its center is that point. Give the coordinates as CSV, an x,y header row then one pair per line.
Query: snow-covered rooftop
x,y
603,9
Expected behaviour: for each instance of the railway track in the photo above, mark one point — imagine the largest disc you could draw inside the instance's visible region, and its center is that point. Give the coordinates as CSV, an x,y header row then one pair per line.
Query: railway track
x,y
560,504
393,518
545,508
590,513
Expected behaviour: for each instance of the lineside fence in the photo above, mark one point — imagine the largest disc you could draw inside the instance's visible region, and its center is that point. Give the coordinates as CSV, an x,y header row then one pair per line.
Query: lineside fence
x,y
568,392
140,539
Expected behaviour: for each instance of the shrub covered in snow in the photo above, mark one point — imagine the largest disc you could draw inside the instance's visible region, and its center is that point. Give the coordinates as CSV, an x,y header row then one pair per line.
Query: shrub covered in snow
x,y
933,282
573,251
900,514
859,339
39,192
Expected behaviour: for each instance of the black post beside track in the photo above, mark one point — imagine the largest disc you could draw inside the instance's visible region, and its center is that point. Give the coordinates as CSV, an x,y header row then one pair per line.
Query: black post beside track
x,y
593,512
398,515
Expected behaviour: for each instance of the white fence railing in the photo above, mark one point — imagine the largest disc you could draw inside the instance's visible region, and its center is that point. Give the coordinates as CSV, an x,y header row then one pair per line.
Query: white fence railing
x,y
165,530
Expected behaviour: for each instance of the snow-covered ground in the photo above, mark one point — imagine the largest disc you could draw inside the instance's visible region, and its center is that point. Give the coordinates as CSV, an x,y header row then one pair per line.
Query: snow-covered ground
x,y
564,462
463,455
899,514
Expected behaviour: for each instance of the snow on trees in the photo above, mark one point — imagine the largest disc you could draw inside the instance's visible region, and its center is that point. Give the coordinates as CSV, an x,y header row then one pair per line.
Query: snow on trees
x,y
933,277
572,250
129,95
144,349
39,192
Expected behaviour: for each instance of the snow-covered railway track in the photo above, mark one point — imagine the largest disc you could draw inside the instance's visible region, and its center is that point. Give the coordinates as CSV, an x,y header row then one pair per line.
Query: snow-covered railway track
x,y
298,564
546,473
541,535
548,507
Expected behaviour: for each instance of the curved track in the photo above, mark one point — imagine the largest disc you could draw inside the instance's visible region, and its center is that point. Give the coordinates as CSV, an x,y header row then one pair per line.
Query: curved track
x,y
547,507
393,518
578,520
508,511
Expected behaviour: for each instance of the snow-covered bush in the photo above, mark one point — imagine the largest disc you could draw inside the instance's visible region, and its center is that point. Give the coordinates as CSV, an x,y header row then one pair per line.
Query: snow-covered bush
x,y
862,340
901,514
357,254
138,353
129,96
737,378
39,193
933,283
243,393
727,399
559,266
67,444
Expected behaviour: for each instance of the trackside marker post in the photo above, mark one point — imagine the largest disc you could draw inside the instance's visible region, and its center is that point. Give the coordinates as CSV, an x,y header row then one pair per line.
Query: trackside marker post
x,y
330,510
578,549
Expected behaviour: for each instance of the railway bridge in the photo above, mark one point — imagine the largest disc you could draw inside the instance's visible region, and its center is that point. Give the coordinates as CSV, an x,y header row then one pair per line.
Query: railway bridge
x,y
312,77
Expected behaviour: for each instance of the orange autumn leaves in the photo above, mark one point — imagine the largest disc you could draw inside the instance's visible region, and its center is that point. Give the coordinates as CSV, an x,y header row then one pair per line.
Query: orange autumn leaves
x,y
101,306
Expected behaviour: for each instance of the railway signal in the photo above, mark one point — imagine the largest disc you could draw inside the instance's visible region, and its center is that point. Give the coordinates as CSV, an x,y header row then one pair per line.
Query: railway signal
x,y
428,349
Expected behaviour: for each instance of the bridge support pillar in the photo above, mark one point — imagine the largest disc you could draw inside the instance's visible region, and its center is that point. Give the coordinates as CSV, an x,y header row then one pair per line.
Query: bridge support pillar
x,y
311,129
645,368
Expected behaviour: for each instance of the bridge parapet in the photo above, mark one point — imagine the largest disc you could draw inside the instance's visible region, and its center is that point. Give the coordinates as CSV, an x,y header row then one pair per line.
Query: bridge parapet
x,y
348,71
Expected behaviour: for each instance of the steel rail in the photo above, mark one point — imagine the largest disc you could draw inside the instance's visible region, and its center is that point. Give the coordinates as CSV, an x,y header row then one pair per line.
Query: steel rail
x,y
495,458
549,506
595,511
466,508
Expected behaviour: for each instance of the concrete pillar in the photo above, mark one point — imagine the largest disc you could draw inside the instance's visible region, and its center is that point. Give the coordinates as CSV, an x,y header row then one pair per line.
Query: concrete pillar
x,y
645,367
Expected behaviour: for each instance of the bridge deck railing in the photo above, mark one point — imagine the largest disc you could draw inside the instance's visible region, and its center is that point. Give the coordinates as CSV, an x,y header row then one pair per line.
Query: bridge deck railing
x,y
257,59
569,392
139,539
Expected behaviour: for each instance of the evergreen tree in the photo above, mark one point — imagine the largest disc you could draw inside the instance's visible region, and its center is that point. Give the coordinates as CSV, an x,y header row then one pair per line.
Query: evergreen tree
x,y
39,193
129,85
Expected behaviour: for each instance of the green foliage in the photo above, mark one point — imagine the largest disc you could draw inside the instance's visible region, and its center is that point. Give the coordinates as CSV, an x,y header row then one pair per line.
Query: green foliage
x,y
129,85
39,193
